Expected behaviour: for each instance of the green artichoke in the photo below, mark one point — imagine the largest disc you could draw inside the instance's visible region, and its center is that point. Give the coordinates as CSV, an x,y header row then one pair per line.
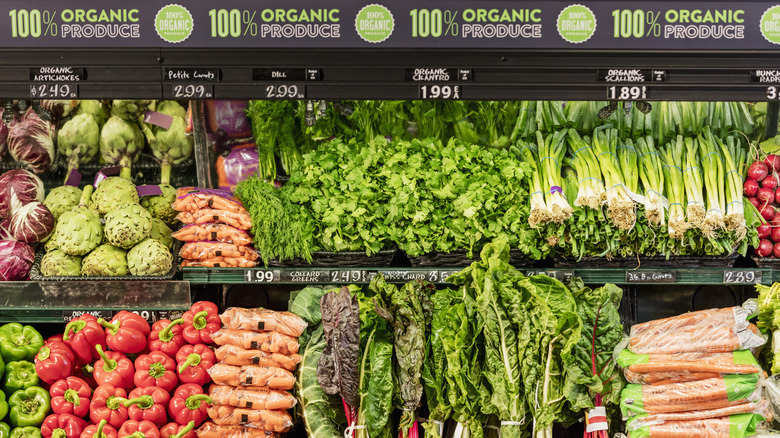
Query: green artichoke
x,y
62,199
171,108
121,142
131,110
105,261
149,257
51,242
160,206
128,225
113,192
95,108
79,231
161,233
59,264
78,140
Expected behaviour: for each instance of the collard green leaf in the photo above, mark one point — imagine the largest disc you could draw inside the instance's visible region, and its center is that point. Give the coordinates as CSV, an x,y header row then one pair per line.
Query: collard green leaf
x,y
319,412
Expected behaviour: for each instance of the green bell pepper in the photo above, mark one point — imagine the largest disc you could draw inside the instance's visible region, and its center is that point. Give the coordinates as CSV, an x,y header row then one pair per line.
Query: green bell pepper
x,y
26,432
5,429
19,342
29,406
19,375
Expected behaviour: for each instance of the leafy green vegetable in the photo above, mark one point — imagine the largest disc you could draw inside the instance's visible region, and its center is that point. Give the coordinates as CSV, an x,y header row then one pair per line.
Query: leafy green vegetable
x,y
435,367
337,371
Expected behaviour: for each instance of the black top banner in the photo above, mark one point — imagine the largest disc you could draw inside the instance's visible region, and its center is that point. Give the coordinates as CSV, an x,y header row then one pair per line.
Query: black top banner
x,y
443,24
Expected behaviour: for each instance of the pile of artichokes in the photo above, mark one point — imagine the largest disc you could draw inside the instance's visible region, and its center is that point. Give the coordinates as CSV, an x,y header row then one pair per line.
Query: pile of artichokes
x,y
105,233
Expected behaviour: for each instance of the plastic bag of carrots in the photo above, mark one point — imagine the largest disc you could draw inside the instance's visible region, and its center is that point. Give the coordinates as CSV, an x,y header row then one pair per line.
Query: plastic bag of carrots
x,y
670,368
212,430
242,221
204,250
251,397
251,375
263,320
232,355
734,426
216,232
220,262
758,408
270,342
196,198
705,331
275,421
700,395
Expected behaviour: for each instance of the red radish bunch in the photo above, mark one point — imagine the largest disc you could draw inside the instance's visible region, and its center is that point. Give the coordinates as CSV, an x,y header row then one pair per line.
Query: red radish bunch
x,y
762,188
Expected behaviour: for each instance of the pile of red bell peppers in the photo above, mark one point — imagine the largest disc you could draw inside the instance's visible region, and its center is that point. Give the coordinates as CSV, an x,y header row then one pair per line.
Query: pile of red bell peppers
x,y
110,379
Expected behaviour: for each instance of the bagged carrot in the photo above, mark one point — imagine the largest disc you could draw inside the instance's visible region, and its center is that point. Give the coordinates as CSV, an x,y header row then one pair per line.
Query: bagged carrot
x,y
220,262
251,397
242,221
251,375
263,320
737,362
216,232
232,355
191,199
758,408
204,250
212,430
734,426
270,342
666,377
275,421
699,395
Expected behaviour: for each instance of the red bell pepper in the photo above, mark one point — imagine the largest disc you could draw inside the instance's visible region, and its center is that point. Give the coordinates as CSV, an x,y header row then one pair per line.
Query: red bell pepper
x,y
81,335
139,429
101,430
86,373
189,403
52,338
155,369
70,396
166,336
148,403
62,426
54,361
193,362
177,430
114,369
200,322
108,404
126,332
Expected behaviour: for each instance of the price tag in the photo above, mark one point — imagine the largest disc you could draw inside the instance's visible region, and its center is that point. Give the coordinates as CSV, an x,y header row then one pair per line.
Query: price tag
x,y
54,91
191,91
155,315
401,275
348,276
261,276
627,92
70,315
440,92
651,276
440,275
559,275
742,277
773,93
285,92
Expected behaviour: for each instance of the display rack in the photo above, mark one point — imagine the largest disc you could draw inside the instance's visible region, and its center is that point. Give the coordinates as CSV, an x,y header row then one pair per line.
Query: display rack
x,y
627,56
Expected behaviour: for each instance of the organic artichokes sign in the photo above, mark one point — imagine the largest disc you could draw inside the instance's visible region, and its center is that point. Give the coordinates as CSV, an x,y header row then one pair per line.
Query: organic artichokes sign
x,y
78,141
121,142
79,231
95,108
113,192
62,199
161,233
160,206
105,261
128,225
149,258
59,264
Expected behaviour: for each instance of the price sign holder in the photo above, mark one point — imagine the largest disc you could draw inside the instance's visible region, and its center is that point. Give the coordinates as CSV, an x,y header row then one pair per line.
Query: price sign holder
x,y
54,91
742,276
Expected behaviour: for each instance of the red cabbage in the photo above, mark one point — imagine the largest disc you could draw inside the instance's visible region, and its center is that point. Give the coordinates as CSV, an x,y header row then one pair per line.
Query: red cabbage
x,y
17,259
17,188
229,116
5,229
31,142
32,223
4,128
